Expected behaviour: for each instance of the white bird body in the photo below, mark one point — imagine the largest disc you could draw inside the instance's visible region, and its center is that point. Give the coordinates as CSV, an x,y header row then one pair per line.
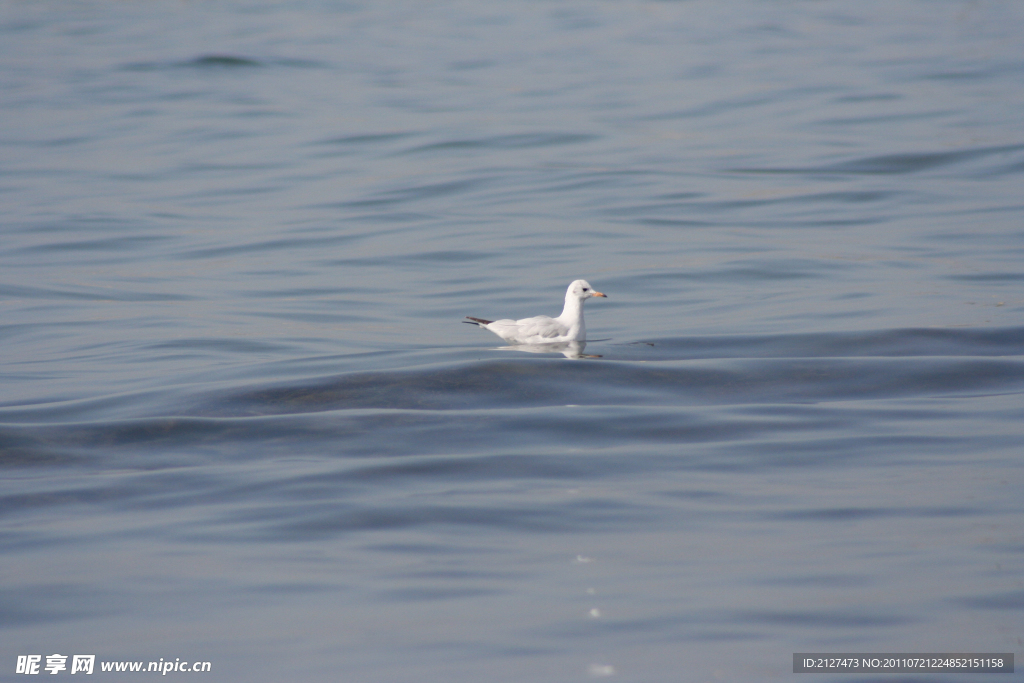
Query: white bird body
x,y
541,329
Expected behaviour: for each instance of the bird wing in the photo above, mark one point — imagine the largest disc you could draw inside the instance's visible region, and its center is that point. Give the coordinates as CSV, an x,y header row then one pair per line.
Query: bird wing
x,y
540,327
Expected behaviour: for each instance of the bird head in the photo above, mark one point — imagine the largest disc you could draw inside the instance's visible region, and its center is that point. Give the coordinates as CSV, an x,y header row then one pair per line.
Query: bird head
x,y
581,289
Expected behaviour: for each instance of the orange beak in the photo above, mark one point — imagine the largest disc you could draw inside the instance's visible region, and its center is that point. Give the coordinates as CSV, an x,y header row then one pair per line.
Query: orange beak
x,y
600,294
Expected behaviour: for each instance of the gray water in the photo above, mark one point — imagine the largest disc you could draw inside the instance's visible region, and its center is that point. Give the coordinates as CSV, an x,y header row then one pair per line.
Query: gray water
x,y
240,421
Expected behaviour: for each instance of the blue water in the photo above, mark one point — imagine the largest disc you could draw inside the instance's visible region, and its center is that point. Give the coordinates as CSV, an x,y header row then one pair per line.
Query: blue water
x,y
240,421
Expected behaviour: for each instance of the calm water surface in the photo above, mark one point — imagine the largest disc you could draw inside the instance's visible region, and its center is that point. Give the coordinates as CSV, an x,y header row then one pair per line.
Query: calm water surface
x,y
241,423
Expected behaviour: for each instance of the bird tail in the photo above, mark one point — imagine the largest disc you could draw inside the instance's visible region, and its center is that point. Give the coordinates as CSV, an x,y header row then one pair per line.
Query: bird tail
x,y
480,322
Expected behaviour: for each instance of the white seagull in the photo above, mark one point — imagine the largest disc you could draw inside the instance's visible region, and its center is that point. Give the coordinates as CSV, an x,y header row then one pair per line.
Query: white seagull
x,y
541,329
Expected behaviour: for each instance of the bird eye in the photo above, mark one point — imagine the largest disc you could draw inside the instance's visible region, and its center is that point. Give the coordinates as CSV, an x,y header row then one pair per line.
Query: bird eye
x,y
584,289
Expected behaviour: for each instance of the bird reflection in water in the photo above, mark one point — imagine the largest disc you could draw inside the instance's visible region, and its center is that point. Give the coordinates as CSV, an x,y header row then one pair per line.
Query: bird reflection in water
x,y
573,349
